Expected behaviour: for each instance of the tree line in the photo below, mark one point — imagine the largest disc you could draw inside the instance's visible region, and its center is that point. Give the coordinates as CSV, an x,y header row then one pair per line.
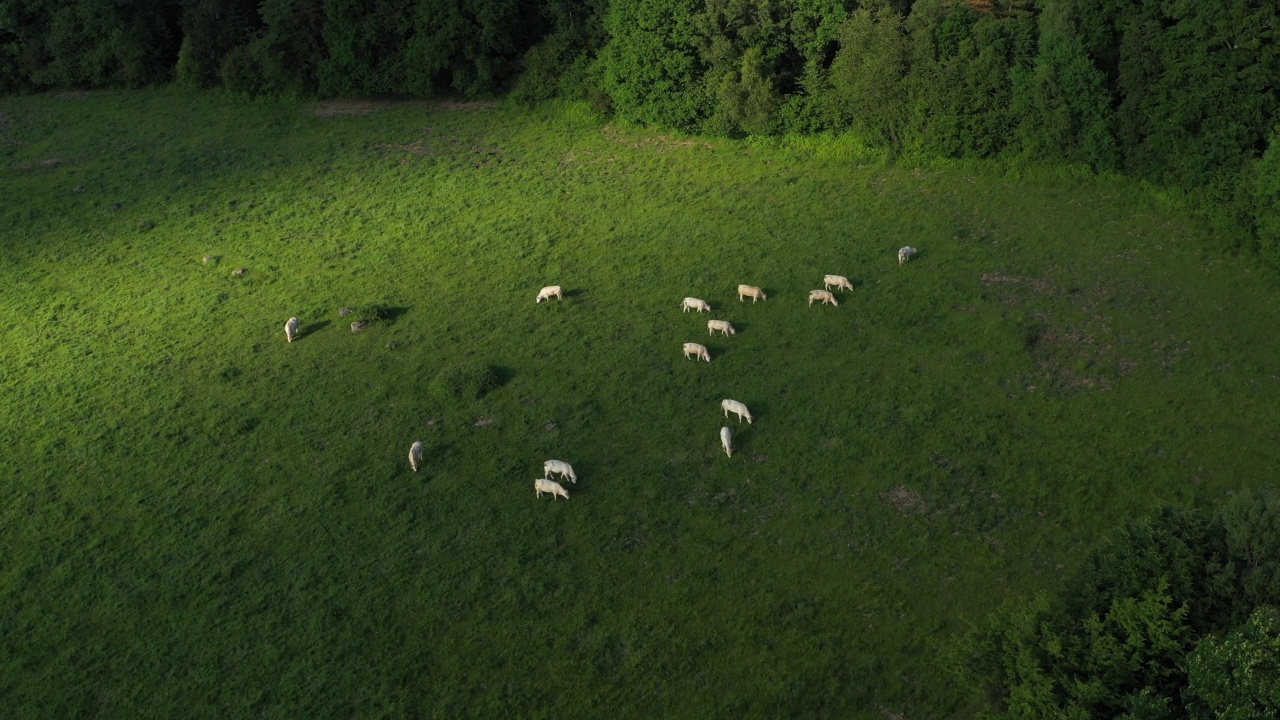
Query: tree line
x,y
1181,93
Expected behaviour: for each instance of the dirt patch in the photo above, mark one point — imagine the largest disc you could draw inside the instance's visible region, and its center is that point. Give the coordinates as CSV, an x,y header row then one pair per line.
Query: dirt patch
x,y
1036,285
47,163
1077,353
358,106
656,143
451,105
368,105
432,142
904,500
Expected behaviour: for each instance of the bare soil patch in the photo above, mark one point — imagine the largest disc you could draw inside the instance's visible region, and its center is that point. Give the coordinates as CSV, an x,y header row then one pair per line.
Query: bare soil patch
x,y
46,163
1078,354
452,105
432,142
368,105
904,500
657,143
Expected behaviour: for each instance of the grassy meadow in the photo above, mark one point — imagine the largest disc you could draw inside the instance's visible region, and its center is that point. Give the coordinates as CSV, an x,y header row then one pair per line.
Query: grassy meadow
x,y
201,520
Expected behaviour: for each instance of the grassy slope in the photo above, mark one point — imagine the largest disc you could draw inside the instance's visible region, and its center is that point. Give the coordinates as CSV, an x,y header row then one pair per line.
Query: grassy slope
x,y
201,520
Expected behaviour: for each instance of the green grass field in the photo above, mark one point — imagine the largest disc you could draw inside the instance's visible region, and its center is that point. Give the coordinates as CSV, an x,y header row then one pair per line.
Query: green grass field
x,y
201,520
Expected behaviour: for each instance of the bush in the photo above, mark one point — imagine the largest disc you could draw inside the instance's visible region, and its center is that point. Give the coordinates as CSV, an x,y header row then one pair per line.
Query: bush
x,y
543,66
242,71
651,67
469,381
373,312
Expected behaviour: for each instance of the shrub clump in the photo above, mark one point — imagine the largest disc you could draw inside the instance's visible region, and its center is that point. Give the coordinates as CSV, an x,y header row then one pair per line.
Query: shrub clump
x,y
368,313
468,381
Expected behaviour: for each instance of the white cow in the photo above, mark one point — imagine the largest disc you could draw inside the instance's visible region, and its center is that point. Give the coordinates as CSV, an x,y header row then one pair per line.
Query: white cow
x,y
415,455
752,292
839,282
541,485
824,295
559,467
694,304
550,291
721,325
737,408
905,254
698,351
726,440
291,329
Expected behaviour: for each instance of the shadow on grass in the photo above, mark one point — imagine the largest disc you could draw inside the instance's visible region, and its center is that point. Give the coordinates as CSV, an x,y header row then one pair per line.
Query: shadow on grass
x,y
503,375
391,314
315,328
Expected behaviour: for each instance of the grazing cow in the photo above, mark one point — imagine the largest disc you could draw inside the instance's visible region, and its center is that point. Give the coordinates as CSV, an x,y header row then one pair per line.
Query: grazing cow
x,y
726,440
541,485
824,295
752,292
721,325
737,408
550,291
698,351
291,329
561,468
905,254
694,304
838,282
415,455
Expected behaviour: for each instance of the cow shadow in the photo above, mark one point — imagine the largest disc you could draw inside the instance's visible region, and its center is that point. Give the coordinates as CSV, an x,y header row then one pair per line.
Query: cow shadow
x,y
315,327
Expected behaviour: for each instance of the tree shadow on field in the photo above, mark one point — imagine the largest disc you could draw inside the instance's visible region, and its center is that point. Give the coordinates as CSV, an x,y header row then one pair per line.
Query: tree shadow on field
x,y
315,327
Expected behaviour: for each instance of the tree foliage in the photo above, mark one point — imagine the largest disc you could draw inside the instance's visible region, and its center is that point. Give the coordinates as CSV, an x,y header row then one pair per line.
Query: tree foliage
x,y
1237,677
1168,619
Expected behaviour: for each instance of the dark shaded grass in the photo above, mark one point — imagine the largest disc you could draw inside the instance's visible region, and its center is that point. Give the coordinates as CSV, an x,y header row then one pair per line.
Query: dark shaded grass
x,y
204,520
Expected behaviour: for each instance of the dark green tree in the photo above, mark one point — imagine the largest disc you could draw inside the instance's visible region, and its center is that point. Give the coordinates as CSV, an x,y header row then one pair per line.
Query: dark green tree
x,y
868,90
1063,104
469,47
960,83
